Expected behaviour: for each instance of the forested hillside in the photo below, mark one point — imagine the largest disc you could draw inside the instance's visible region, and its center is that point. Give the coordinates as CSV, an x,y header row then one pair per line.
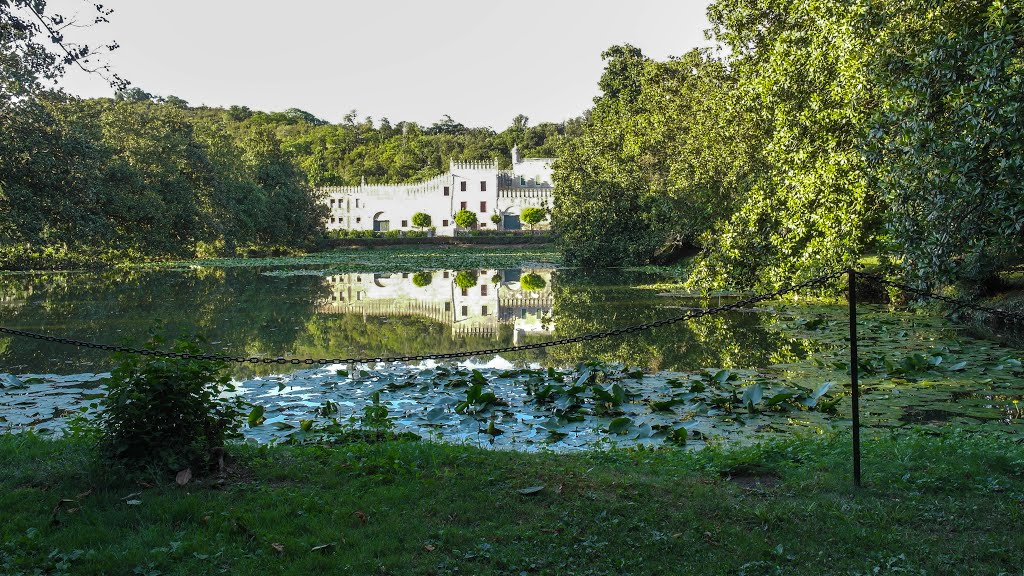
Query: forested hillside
x,y
147,176
816,133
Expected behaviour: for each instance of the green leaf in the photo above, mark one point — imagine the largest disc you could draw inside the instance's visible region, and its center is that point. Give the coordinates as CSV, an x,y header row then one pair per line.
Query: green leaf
x,y
256,416
619,425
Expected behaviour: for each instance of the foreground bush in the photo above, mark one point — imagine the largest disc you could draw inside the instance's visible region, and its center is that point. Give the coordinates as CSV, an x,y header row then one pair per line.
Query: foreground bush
x,y
169,413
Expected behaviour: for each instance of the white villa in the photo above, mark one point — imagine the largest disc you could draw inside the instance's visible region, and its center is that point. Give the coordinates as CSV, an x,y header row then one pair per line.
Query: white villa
x,y
475,186
497,299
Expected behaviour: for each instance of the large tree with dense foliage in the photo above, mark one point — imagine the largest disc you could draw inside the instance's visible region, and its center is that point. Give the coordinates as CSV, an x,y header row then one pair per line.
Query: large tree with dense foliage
x,y
820,132
946,146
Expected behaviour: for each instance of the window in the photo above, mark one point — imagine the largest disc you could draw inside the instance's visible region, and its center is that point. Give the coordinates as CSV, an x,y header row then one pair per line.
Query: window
x,y
358,220
483,185
405,274
483,224
357,202
462,186
447,306
463,205
445,223
483,290
483,310
332,220
483,206
332,201
465,291
447,191
465,310
446,274
405,223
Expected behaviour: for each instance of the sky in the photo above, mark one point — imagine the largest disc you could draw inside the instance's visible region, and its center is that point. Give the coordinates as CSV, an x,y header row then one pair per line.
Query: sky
x,y
482,62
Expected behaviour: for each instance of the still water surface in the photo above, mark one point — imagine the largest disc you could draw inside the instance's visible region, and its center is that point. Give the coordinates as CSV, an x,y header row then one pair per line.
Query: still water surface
x,y
919,370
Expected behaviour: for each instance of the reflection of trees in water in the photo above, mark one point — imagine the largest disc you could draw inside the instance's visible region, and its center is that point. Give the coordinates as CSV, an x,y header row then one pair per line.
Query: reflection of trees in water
x,y
353,335
243,313
240,313
238,310
589,302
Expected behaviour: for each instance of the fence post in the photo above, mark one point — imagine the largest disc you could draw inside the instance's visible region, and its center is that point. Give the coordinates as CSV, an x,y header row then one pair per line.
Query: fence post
x,y
854,384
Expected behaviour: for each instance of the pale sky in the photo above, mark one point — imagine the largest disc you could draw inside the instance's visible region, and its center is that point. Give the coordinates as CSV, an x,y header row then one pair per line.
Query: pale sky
x,y
480,61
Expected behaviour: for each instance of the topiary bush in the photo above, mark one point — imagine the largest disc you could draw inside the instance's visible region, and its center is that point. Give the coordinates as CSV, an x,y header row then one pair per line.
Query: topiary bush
x,y
532,282
168,413
421,279
466,279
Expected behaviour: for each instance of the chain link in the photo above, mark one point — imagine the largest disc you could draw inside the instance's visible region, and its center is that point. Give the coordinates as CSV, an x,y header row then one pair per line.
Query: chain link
x,y
1004,315
689,315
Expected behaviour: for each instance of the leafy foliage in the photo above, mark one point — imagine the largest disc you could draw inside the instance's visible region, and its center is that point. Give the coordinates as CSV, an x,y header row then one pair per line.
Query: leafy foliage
x,y
465,219
947,148
532,282
466,279
421,220
533,216
818,132
171,413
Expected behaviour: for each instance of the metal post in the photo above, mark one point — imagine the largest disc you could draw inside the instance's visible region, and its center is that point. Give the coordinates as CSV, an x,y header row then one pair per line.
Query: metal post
x,y
855,385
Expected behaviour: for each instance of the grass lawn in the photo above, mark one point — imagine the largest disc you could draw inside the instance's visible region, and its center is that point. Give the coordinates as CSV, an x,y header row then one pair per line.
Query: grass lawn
x,y
943,504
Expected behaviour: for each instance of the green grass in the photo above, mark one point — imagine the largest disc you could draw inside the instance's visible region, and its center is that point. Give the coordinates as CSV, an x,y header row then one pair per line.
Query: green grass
x,y
931,504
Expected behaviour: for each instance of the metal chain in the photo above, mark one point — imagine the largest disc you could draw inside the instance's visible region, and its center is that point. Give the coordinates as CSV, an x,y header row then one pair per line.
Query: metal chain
x,y
1004,315
689,315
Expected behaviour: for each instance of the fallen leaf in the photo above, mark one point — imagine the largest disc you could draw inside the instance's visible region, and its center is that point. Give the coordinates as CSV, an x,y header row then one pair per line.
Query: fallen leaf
x,y
279,548
133,502
428,547
531,490
322,547
183,477
132,495
360,515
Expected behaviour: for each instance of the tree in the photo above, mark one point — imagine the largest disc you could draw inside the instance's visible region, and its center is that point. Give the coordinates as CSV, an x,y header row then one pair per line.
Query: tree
x,y
466,279
533,216
421,279
531,282
465,219
496,219
25,59
421,220
946,148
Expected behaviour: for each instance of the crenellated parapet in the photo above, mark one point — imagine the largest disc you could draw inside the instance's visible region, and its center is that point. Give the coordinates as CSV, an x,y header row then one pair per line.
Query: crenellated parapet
x,y
388,191
473,165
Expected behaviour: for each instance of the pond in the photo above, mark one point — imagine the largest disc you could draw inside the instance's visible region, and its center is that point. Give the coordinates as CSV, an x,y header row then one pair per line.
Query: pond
x,y
738,376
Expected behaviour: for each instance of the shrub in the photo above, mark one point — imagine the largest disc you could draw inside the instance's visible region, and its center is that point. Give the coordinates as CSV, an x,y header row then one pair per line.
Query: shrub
x,y
496,219
533,216
421,279
170,413
421,220
466,279
392,234
465,219
532,282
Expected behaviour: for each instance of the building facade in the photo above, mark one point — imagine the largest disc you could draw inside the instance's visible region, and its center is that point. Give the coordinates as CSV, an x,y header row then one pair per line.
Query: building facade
x,y
496,298
477,186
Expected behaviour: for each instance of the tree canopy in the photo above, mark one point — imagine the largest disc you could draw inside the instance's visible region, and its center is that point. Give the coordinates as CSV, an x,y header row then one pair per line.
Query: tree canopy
x,y
814,133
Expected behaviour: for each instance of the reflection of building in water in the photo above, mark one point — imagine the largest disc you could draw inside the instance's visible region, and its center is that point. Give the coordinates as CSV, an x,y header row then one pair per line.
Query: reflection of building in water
x,y
473,305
